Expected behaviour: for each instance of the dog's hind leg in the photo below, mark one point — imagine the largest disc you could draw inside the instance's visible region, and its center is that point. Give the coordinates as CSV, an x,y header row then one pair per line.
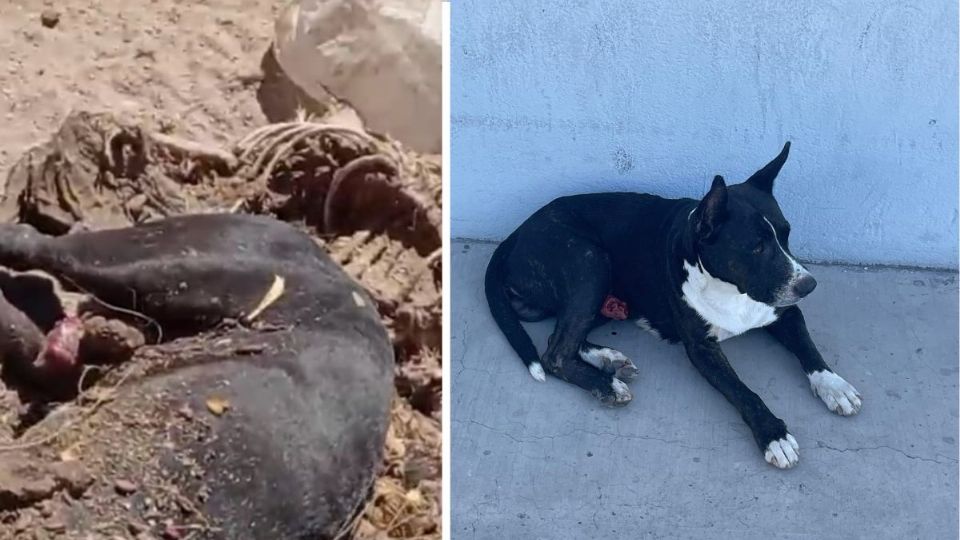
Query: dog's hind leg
x,y
609,389
577,318
563,359
608,360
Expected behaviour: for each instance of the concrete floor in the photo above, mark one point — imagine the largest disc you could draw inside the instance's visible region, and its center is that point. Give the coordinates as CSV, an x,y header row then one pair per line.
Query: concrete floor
x,y
545,460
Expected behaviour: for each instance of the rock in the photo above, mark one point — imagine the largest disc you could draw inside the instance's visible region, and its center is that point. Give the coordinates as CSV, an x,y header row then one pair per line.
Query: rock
x,y
171,532
350,49
185,412
49,18
109,340
72,477
136,528
22,487
25,481
124,487
55,526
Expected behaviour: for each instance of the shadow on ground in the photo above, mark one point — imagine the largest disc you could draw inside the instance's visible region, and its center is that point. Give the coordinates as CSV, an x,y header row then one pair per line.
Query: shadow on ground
x,y
545,460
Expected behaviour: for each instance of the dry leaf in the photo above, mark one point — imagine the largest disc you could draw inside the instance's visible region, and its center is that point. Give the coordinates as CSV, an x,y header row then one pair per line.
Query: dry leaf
x,y
100,394
273,293
69,454
217,405
414,497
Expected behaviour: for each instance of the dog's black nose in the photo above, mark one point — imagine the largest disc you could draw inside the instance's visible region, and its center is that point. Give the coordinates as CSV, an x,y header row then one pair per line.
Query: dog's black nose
x,y
805,286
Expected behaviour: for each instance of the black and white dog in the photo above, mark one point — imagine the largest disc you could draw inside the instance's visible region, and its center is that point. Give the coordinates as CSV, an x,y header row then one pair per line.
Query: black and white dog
x,y
694,272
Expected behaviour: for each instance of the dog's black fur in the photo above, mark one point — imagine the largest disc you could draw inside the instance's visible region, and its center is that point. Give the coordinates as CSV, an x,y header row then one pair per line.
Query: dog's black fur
x,y
303,438
567,257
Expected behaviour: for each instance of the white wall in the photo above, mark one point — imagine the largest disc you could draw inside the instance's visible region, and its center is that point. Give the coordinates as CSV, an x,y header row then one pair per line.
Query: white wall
x,y
556,97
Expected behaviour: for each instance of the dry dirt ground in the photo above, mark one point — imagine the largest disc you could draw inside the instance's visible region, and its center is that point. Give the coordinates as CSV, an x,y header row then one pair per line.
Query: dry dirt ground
x,y
182,84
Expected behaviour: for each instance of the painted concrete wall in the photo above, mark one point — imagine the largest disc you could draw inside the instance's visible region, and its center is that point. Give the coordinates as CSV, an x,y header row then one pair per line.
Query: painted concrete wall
x,y
555,97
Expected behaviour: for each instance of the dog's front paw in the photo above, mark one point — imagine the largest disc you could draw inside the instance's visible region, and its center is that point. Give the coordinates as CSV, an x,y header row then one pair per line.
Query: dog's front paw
x,y
783,453
839,395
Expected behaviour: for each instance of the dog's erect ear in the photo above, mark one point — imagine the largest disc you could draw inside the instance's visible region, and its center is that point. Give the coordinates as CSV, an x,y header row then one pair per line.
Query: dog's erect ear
x,y
763,179
712,209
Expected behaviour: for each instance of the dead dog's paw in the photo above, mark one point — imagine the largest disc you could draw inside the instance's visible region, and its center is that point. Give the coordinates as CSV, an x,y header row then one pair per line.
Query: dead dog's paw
x,y
610,361
839,395
783,453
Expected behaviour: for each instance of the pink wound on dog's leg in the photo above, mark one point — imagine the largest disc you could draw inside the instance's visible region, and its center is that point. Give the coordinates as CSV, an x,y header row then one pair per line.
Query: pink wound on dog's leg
x,y
614,308
61,346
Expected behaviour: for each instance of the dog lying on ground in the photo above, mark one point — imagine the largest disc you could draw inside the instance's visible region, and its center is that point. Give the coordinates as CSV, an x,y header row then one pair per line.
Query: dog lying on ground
x,y
689,271
309,399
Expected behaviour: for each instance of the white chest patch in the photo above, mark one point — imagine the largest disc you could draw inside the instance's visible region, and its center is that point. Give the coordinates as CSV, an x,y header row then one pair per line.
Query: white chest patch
x,y
726,310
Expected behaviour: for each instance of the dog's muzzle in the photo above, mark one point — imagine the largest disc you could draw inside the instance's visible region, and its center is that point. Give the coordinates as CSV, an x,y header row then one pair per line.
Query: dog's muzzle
x,y
804,286
800,285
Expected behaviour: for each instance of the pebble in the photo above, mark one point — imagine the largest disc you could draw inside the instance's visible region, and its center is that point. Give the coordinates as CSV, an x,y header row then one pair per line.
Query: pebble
x,y
186,412
55,526
49,18
124,487
172,532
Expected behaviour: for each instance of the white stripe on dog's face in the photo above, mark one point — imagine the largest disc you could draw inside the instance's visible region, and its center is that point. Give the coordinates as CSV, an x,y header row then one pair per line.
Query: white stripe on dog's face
x,y
785,295
797,267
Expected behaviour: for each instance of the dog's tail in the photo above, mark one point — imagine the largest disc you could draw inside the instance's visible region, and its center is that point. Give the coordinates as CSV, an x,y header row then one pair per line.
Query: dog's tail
x,y
503,312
